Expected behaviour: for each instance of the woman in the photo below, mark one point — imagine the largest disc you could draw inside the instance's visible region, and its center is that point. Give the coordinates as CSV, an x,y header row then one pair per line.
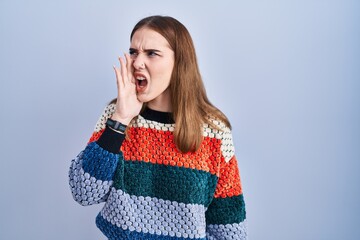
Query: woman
x,y
161,156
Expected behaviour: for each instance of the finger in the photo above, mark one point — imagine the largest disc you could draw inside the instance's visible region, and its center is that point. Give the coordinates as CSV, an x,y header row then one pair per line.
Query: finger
x,y
123,71
119,81
129,67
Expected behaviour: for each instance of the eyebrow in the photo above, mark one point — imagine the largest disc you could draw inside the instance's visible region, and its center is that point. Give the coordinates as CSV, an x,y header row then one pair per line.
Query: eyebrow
x,y
145,50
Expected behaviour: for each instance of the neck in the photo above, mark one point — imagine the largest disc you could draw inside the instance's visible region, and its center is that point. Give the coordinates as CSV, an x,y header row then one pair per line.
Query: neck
x,y
162,103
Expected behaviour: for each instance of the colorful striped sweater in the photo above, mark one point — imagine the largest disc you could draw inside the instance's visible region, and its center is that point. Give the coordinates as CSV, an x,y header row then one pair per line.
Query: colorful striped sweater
x,y
153,191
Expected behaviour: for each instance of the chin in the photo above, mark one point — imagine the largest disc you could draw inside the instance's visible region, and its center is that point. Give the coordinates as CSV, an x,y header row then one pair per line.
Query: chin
x,y
143,98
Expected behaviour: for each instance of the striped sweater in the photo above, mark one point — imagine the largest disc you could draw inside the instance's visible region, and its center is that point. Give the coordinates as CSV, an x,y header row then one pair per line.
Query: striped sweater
x,y
153,191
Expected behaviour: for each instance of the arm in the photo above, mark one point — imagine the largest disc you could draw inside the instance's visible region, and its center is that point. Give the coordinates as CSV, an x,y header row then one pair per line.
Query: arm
x,y
226,215
91,172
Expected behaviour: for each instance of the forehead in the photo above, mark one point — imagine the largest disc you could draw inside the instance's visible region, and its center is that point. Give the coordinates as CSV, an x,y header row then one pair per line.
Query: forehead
x,y
145,38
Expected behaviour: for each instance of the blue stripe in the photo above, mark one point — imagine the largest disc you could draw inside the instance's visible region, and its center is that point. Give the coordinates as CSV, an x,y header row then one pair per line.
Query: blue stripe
x,y
98,162
112,232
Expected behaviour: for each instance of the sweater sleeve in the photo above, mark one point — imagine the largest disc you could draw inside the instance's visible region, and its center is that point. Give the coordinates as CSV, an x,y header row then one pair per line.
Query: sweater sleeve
x,y
226,215
92,171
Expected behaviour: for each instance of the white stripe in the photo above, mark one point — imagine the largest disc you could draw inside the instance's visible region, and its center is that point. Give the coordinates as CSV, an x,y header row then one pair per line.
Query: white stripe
x,y
229,231
155,216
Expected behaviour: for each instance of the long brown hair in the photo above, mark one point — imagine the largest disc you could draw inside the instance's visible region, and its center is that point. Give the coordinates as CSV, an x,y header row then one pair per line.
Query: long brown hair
x,y
190,104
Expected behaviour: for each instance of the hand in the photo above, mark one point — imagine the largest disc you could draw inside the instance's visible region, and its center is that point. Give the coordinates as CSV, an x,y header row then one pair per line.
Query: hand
x,y
127,104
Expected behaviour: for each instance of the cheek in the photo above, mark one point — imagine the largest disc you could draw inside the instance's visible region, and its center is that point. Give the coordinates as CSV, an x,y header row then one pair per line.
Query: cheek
x,y
162,73
168,70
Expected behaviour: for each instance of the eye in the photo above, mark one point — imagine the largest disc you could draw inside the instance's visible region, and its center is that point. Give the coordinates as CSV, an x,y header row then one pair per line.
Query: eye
x,y
133,52
152,54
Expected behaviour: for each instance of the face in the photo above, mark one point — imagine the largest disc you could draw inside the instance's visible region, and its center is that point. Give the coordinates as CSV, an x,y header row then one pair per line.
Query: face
x,y
153,62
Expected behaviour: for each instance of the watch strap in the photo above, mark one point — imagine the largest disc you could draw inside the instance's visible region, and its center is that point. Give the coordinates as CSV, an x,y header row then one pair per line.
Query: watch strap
x,y
118,126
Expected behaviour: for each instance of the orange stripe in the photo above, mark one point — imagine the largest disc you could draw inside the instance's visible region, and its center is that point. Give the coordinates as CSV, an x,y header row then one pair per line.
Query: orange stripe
x,y
158,147
229,184
95,136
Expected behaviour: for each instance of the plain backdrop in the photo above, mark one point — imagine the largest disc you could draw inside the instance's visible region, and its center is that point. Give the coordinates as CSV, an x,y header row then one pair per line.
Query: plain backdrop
x,y
286,73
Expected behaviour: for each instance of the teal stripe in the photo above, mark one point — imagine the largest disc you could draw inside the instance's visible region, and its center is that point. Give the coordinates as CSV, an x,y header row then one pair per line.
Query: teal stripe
x,y
226,210
166,182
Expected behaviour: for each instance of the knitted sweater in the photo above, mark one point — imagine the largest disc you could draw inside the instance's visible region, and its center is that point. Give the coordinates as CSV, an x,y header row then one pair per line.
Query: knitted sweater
x,y
153,191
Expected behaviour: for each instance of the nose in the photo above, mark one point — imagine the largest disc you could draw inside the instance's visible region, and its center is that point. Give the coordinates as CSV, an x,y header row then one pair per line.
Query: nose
x,y
138,62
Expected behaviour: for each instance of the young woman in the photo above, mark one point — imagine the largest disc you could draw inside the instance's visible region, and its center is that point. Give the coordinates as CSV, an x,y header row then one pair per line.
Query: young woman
x,y
161,156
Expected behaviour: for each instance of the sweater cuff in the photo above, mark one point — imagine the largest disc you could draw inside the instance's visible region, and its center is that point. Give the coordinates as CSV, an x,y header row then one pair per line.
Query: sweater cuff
x,y
111,140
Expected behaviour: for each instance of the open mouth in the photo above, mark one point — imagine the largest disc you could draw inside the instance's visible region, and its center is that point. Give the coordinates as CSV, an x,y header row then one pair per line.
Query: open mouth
x,y
141,83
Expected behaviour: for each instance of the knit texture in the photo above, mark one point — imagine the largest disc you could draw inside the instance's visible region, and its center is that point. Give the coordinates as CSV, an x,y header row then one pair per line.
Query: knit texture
x,y
153,191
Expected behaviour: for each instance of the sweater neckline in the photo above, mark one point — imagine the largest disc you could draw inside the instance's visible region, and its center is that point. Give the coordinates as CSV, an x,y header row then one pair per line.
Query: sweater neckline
x,y
157,116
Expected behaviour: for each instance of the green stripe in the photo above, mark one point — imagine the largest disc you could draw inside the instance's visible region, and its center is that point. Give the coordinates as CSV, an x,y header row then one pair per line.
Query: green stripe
x,y
226,210
166,182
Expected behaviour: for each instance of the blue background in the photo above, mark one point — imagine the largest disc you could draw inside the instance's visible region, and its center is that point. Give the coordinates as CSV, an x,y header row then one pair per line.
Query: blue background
x,y
285,72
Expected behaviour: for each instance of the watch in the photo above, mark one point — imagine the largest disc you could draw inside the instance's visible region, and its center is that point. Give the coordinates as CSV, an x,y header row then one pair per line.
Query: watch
x,y
115,125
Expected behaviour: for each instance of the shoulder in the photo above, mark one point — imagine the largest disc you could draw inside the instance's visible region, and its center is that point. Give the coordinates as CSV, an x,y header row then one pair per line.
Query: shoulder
x,y
106,113
218,129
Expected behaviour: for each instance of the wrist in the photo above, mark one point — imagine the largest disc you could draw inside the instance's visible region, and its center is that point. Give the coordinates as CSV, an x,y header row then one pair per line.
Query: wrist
x,y
122,120
116,126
